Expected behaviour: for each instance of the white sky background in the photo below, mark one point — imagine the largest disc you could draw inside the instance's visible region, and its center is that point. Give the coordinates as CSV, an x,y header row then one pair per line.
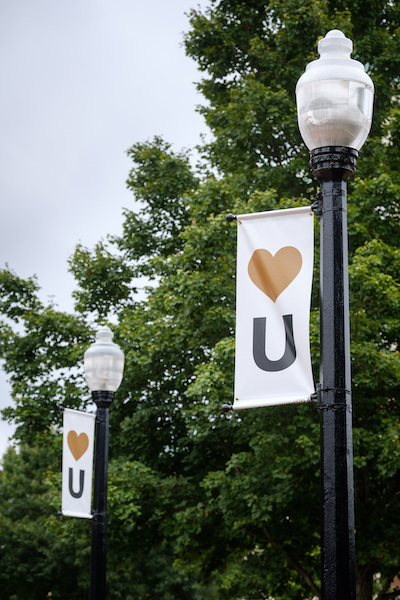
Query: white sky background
x,y
80,82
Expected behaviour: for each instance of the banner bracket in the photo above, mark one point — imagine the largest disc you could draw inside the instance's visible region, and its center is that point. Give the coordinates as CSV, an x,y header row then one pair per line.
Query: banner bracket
x,y
316,207
230,218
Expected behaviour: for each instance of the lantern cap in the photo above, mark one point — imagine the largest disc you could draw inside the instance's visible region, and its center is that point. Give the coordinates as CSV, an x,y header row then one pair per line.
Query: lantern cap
x,y
335,45
335,61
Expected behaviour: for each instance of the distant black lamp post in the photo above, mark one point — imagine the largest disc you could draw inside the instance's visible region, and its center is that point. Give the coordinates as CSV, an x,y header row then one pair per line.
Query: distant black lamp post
x,y
334,103
104,366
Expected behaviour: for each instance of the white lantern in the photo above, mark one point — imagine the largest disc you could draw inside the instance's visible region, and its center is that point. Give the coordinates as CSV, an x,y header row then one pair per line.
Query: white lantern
x,y
334,97
104,363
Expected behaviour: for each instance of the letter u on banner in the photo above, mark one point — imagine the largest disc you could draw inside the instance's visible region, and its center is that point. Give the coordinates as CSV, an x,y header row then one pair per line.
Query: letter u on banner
x,y
275,258
77,465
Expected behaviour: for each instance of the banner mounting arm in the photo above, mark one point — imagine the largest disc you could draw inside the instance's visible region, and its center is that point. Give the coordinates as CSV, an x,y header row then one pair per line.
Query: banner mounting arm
x,y
230,218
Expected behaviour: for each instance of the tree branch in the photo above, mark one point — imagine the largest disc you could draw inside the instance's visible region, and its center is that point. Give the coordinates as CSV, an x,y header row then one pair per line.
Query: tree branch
x,y
367,571
382,594
291,561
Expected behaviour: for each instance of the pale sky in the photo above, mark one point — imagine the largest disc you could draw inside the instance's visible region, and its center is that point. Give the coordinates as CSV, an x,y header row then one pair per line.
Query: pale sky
x,y
81,81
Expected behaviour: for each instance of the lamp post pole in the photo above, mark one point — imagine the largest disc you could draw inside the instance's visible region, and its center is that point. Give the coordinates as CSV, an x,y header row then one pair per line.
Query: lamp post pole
x,y
332,166
334,101
103,401
104,365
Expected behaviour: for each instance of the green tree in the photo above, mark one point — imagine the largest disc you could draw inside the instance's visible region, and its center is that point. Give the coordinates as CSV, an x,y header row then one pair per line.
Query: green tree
x,y
228,507
39,553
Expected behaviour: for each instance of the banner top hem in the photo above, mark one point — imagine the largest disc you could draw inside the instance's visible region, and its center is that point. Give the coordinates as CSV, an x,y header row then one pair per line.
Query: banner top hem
x,y
79,412
284,212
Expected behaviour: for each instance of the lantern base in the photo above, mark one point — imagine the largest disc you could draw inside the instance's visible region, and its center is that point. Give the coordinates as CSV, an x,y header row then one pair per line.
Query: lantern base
x,y
103,398
333,163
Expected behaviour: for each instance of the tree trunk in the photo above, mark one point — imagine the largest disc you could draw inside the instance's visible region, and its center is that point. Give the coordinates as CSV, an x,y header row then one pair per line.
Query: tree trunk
x,y
363,584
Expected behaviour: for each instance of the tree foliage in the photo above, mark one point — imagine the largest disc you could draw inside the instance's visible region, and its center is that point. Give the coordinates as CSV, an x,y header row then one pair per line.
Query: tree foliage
x,y
203,505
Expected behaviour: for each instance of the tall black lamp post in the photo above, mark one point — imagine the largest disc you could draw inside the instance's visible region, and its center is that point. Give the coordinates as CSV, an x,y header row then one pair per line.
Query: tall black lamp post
x,y
104,365
334,103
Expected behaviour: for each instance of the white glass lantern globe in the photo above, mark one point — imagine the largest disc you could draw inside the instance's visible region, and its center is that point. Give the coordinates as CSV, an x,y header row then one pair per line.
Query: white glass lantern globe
x,y
334,97
104,363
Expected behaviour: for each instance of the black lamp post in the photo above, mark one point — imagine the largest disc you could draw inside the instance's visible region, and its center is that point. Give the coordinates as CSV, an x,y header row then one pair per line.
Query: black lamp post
x,y
334,102
104,365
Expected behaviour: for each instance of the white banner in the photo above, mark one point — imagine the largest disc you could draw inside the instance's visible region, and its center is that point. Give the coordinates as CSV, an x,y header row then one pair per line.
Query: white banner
x,y
77,467
275,258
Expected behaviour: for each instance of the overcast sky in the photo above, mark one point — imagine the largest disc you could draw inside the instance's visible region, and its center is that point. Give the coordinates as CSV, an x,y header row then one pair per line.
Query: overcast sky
x,y
81,81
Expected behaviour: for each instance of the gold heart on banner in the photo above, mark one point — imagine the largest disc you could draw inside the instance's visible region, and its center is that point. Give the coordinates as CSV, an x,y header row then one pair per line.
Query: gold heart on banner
x,y
78,444
273,274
